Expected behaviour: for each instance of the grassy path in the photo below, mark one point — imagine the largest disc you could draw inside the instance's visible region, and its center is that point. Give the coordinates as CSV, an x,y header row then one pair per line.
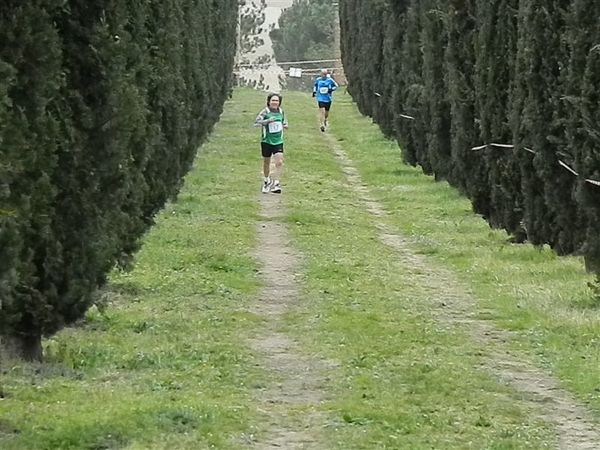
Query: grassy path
x,y
290,403
455,306
364,308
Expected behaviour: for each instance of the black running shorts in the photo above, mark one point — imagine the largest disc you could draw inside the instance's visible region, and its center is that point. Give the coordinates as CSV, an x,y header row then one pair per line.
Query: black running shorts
x,y
269,150
325,105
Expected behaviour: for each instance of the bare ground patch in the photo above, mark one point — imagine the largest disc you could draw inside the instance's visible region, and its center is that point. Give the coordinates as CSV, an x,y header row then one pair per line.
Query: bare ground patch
x,y
291,404
454,305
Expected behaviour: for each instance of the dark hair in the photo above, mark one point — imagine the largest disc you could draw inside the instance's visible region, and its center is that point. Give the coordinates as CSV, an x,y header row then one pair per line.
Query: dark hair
x,y
270,96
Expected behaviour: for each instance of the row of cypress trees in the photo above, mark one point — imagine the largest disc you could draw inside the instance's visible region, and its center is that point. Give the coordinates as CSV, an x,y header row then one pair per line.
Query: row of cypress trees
x,y
453,79
103,105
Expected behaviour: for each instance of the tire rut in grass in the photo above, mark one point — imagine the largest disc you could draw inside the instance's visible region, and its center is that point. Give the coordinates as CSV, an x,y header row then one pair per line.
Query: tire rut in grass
x,y
291,404
455,306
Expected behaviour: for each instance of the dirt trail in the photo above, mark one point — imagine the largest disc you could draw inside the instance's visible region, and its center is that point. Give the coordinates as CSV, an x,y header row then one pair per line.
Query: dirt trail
x,y
454,306
291,405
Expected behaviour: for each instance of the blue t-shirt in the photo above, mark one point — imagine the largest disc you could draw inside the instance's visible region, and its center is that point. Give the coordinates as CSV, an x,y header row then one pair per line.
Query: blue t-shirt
x,y
323,89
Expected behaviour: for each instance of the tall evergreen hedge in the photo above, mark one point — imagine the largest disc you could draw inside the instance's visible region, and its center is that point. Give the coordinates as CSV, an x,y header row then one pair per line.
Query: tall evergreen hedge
x,y
102,108
412,122
583,134
499,97
495,51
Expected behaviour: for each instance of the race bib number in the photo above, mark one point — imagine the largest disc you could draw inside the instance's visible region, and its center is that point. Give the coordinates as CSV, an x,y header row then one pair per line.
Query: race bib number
x,y
324,90
275,127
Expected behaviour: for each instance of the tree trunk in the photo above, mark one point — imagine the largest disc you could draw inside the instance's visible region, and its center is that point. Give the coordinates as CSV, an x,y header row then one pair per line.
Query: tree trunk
x,y
592,265
28,348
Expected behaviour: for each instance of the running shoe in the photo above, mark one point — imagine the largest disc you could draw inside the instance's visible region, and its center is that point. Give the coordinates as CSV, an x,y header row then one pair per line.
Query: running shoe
x,y
266,187
276,188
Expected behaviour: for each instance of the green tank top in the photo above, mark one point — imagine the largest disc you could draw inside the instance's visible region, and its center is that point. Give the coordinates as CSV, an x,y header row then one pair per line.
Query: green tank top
x,y
272,133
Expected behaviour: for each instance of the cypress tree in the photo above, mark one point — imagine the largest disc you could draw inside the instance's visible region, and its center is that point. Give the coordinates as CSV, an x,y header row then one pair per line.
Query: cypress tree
x,y
520,118
495,60
582,35
348,39
102,108
460,62
31,132
560,184
392,83
434,41
366,73
413,130
352,50
375,16
588,156
9,238
538,75
395,82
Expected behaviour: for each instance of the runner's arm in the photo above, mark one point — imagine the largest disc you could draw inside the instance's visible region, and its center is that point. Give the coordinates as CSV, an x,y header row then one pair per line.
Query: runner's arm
x,y
260,119
334,85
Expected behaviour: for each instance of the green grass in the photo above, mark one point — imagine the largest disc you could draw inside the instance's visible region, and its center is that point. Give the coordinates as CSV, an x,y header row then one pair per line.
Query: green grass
x,y
544,298
164,363
404,381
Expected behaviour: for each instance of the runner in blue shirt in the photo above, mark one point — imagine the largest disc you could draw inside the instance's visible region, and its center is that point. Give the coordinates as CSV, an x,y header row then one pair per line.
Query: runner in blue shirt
x,y
323,90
